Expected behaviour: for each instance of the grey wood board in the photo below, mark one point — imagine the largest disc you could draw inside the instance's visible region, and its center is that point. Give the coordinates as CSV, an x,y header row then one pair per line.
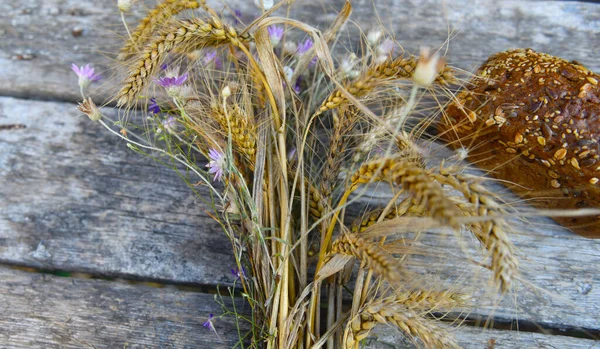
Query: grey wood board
x,y
74,197
384,337
45,311
38,43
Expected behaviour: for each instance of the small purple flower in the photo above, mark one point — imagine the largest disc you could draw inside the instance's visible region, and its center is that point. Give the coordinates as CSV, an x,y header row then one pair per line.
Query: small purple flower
x,y
208,324
172,84
216,164
211,57
238,273
153,107
237,16
275,34
170,125
304,47
86,75
172,81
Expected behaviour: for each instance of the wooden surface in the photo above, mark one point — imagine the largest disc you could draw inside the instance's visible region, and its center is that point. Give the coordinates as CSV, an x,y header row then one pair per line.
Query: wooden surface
x,y
74,198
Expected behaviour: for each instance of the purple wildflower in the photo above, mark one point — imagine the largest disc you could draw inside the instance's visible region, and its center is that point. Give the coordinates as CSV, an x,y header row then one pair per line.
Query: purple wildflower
x,y
208,324
304,47
170,124
172,81
238,15
275,34
211,57
172,84
216,164
238,273
86,75
153,107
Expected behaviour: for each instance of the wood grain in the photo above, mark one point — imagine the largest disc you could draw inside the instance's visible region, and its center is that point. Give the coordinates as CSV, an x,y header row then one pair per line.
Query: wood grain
x,y
45,311
79,200
74,197
41,38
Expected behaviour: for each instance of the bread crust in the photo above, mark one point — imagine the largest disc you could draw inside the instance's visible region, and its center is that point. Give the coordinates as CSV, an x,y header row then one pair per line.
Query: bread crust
x,y
534,120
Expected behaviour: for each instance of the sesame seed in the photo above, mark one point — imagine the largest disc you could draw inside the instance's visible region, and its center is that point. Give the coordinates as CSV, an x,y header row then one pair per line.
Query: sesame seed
x,y
554,183
546,162
553,174
592,80
489,122
511,150
593,180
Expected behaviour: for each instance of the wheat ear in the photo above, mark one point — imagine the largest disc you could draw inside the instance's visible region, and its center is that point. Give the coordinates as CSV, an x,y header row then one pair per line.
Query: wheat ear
x,y
428,300
389,312
243,131
391,69
190,35
342,126
405,207
426,191
369,254
155,17
493,232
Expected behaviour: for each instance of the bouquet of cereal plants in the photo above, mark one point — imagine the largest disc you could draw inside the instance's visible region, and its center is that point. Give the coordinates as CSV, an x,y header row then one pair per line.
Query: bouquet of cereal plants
x,y
295,132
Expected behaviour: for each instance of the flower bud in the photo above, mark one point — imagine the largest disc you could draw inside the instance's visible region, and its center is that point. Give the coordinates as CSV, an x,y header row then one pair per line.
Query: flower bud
x,y
427,68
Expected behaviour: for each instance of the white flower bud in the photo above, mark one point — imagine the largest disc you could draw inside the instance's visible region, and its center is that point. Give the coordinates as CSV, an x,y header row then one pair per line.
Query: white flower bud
x,y
226,92
373,37
427,68
290,47
264,4
124,5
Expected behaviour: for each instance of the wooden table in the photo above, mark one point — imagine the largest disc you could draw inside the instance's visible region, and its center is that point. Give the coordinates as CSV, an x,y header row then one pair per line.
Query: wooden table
x,y
102,248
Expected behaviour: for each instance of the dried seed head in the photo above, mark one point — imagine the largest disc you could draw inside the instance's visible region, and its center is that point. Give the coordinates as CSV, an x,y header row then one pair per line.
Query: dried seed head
x,y
89,108
264,4
125,5
373,37
427,68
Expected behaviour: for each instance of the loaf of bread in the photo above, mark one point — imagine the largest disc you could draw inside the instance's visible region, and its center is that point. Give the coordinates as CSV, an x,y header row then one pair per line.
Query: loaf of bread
x,y
533,120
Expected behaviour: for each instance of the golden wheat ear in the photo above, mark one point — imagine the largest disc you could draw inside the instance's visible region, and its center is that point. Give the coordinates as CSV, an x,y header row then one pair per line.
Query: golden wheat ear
x,y
185,36
156,17
391,69
414,326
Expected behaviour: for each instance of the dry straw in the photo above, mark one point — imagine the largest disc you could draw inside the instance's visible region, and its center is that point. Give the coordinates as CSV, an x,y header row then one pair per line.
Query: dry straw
x,y
285,183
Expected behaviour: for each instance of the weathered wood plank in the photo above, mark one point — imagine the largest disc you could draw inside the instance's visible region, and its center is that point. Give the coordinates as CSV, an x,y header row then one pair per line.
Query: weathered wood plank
x,y
74,197
479,338
45,311
77,199
38,42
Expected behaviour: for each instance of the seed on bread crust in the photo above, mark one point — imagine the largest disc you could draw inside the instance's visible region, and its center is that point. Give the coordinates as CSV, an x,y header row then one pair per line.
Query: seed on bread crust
x,y
547,108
